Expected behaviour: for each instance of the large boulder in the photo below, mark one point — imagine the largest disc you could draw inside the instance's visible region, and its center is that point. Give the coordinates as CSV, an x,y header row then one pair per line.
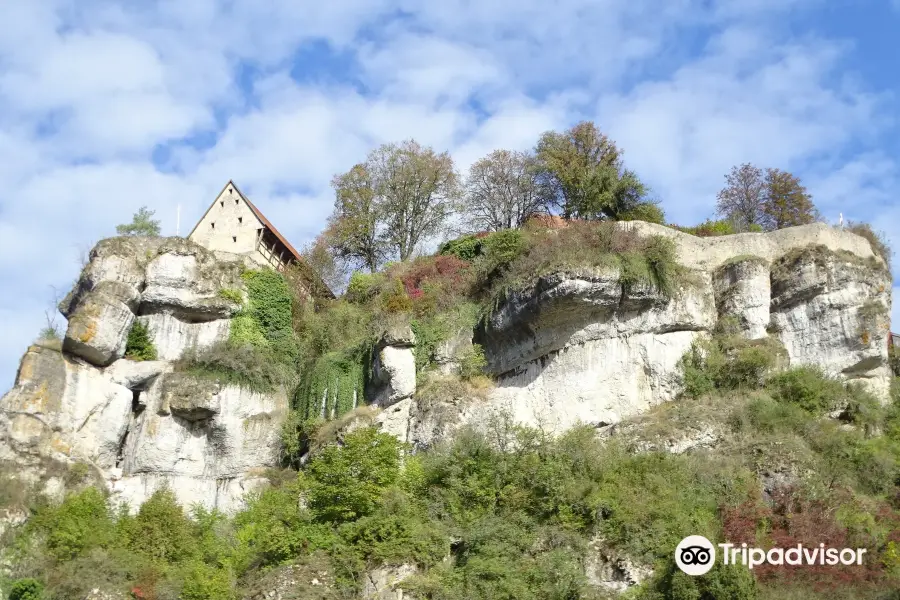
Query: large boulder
x,y
186,280
394,367
99,324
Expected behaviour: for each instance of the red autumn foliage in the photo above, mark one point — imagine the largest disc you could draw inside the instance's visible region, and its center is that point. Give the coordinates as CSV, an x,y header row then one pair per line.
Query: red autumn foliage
x,y
446,271
792,519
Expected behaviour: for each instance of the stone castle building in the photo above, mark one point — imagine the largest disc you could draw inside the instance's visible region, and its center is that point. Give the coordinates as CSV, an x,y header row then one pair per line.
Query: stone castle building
x,y
235,225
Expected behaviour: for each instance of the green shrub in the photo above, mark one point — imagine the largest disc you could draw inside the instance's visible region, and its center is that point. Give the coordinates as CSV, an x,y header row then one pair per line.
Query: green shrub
x,y
139,345
468,247
398,531
809,388
472,362
26,589
256,368
728,362
81,522
205,582
345,482
649,212
709,228
363,286
502,247
161,530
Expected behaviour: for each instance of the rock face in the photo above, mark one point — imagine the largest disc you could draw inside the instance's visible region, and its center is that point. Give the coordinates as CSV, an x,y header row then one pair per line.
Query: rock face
x,y
394,368
139,424
574,347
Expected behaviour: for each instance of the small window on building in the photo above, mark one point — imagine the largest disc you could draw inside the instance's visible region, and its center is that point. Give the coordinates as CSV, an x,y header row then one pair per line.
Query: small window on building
x,y
235,200
234,238
221,203
213,225
240,219
230,191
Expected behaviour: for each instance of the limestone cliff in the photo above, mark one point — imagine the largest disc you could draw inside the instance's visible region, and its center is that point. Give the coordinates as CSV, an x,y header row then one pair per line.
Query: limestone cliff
x,y
139,424
574,348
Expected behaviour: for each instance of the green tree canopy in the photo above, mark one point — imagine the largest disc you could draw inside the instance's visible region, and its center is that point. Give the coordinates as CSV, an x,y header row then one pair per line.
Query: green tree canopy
x,y
142,223
584,175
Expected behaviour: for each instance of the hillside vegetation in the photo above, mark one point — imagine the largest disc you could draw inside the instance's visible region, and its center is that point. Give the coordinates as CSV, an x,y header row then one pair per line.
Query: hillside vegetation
x,y
507,512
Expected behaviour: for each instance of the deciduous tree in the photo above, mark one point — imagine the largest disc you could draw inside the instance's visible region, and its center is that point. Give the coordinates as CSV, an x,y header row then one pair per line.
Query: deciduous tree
x,y
417,190
353,232
741,200
584,174
787,203
503,190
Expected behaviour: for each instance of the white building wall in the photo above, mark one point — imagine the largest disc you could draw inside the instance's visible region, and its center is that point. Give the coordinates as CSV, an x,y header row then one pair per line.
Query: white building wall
x,y
229,226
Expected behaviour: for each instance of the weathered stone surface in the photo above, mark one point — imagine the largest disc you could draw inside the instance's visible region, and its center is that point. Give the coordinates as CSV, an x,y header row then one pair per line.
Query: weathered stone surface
x,y
186,281
610,571
172,337
384,583
743,291
188,397
136,375
833,310
59,407
395,374
449,352
99,324
210,442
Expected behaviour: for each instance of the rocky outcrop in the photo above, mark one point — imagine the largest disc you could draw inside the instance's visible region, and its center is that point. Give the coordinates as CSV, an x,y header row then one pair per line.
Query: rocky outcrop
x,y
139,424
394,367
384,583
576,347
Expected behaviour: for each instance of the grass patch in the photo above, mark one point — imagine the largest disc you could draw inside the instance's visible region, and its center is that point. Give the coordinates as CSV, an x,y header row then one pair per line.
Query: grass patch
x,y
232,295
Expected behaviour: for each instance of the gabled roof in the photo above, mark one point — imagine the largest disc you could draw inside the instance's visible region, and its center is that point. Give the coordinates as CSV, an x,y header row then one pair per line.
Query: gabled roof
x,y
262,218
268,225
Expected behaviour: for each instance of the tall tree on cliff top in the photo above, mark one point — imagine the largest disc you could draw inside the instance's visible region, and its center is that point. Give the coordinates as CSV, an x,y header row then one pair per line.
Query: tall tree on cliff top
x,y
787,202
741,200
353,229
387,206
503,190
417,192
584,174
770,199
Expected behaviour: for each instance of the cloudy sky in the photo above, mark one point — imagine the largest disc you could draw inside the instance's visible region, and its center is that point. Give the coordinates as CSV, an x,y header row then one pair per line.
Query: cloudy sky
x,y
108,106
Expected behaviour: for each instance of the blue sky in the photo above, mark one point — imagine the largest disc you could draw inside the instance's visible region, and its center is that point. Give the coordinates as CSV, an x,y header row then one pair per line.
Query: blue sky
x,y
109,106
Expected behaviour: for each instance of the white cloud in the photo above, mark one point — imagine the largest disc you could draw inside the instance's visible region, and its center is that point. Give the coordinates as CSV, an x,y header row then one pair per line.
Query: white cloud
x,y
90,88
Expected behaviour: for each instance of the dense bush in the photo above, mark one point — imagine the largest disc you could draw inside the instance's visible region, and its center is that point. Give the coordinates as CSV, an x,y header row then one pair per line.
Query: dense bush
x,y
26,589
809,388
728,362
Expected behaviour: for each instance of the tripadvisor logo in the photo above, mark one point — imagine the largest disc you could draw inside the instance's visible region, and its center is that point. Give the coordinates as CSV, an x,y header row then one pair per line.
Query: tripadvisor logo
x,y
696,555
